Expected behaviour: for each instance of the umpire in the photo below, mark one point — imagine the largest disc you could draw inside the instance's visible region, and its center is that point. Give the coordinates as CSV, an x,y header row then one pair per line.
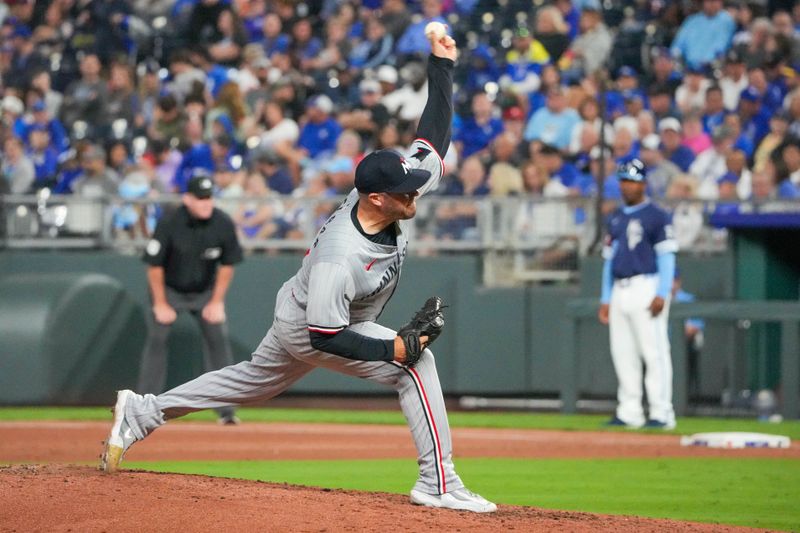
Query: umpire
x,y
190,258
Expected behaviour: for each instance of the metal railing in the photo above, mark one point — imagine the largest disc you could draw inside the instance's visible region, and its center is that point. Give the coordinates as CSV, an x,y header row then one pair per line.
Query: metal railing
x,y
519,238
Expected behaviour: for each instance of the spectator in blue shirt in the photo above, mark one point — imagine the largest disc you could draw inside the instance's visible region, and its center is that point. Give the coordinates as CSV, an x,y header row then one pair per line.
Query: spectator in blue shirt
x,y
714,111
704,36
755,118
413,41
304,46
457,220
670,131
572,17
253,21
203,157
43,155
562,171
734,122
627,88
40,116
69,171
274,41
375,49
788,190
482,69
553,123
275,174
550,77
216,75
771,81
478,131
728,201
320,133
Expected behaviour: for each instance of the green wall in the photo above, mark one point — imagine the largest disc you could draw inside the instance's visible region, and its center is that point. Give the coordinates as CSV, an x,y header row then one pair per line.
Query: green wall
x,y
496,342
767,269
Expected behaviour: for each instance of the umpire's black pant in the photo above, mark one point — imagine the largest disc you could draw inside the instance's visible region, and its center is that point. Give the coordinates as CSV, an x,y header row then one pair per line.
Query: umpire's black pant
x,y
216,345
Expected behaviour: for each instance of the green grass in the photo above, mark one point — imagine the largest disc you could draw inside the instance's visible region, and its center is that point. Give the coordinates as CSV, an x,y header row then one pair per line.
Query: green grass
x,y
754,492
748,492
457,419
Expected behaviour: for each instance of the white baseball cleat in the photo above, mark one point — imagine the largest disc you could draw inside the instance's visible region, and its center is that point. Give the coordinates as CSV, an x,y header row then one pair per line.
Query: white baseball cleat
x,y
120,438
461,500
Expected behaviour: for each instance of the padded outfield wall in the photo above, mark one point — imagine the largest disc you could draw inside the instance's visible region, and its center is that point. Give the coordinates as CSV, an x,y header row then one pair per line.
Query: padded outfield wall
x,y
498,342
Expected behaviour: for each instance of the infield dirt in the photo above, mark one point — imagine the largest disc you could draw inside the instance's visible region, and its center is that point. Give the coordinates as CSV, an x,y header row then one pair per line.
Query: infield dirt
x,y
64,497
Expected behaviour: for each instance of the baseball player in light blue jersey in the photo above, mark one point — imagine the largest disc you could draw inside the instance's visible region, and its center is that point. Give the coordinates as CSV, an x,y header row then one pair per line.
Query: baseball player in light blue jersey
x,y
637,279
325,316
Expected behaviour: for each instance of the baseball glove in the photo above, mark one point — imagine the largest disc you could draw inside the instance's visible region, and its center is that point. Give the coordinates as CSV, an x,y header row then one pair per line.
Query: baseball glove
x,y
428,321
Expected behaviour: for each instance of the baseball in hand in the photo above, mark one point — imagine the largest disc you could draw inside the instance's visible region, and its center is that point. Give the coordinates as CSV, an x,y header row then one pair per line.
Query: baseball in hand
x,y
434,31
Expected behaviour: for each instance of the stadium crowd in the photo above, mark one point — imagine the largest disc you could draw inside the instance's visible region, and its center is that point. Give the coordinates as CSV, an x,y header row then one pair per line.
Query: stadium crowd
x,y
134,97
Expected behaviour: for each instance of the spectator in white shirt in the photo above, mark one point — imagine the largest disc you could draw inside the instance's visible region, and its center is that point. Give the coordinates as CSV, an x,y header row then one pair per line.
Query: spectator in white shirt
x,y
408,101
17,169
281,130
691,95
710,164
734,81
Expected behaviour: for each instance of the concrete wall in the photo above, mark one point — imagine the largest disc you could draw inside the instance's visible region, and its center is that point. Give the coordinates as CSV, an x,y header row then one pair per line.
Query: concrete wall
x,y
496,342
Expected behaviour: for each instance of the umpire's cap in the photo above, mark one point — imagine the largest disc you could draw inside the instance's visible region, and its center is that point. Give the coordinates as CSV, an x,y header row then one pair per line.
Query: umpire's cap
x,y
200,185
387,171
632,170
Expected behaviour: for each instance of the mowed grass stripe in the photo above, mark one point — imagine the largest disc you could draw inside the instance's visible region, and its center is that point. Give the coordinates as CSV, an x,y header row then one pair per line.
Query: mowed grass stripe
x,y
749,492
457,419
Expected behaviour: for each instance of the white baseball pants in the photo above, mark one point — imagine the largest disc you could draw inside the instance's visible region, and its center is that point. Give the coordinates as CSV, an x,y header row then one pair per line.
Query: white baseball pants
x,y
639,343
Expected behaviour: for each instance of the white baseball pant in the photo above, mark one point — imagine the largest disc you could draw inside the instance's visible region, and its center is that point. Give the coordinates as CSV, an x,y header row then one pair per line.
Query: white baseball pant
x,y
638,339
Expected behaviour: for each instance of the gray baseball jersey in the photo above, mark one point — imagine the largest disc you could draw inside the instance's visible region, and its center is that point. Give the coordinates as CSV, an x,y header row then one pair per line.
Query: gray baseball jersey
x,y
346,278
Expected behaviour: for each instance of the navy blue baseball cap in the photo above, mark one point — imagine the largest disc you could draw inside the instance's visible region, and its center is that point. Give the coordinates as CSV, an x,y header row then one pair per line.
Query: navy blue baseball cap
x,y
388,171
632,170
626,70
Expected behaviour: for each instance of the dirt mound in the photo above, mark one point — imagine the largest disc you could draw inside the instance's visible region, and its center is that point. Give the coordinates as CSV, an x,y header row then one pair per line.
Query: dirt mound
x,y
80,498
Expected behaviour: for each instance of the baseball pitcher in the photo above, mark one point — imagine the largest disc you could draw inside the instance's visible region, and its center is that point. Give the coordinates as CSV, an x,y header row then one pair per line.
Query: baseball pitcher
x,y
637,282
325,316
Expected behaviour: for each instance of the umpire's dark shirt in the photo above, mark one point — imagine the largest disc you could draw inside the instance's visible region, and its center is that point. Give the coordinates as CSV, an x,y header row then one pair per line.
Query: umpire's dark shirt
x,y
190,249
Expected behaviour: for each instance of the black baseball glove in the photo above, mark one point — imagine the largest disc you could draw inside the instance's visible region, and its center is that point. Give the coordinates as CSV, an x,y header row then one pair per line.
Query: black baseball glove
x,y
428,321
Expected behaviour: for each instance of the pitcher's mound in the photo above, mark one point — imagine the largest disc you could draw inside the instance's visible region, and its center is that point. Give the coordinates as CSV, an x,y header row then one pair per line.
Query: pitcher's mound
x,y
81,498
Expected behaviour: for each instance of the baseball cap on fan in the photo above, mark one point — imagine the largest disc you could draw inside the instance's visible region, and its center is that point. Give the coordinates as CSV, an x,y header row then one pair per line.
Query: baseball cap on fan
x,y
669,123
321,102
387,171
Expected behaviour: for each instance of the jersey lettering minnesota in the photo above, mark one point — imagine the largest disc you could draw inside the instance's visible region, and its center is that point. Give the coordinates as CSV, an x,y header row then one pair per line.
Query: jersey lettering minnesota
x,y
635,237
346,278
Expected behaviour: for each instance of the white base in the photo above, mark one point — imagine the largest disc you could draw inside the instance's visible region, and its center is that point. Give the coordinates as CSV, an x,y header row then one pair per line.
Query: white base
x,y
736,439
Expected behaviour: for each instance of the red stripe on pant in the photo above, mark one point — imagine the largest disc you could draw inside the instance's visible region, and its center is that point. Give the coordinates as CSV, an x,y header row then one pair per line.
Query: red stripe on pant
x,y
429,415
